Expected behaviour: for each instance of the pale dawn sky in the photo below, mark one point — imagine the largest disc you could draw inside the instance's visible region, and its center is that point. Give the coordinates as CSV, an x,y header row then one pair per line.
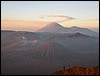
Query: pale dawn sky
x,y
27,15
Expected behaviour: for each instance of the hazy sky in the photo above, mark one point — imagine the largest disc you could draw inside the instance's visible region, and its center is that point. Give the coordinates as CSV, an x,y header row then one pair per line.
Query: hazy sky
x,y
27,15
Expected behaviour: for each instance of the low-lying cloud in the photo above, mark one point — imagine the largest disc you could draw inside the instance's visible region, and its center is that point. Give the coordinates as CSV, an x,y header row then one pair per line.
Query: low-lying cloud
x,y
55,18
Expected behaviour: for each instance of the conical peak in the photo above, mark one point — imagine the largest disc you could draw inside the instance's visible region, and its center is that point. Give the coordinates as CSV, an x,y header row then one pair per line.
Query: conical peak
x,y
53,27
52,44
47,45
54,24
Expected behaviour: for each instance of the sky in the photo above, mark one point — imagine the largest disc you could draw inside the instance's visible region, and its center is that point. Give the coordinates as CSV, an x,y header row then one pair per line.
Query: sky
x,y
33,15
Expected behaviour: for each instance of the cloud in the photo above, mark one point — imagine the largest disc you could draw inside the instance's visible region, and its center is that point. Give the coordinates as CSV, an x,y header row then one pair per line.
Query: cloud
x,y
55,18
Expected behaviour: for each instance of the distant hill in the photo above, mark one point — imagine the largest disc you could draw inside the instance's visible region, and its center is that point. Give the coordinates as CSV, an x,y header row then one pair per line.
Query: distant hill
x,y
75,29
57,28
52,51
78,71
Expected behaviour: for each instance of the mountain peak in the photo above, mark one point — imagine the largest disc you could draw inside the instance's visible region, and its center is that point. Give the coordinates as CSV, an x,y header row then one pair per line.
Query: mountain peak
x,y
54,24
52,27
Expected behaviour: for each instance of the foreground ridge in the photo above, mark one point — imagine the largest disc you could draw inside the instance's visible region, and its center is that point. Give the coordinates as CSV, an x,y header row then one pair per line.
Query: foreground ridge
x,y
76,70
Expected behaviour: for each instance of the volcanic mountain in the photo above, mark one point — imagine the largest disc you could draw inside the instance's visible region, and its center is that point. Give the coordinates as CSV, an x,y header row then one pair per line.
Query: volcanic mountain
x,y
75,29
53,27
57,28
52,51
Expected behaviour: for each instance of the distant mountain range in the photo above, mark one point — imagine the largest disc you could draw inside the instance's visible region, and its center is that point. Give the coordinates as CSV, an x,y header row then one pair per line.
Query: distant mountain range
x,y
57,28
